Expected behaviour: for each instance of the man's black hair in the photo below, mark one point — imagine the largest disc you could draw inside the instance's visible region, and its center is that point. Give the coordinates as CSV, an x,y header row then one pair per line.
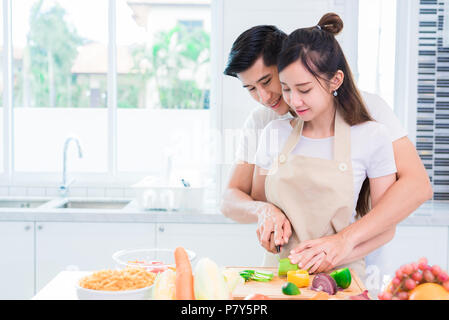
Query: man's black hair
x,y
263,40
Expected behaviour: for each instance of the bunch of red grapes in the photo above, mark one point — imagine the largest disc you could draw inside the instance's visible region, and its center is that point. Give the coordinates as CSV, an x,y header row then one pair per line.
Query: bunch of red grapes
x,y
410,275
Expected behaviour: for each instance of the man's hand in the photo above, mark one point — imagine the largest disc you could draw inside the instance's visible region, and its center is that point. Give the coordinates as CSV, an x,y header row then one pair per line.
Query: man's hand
x,y
273,227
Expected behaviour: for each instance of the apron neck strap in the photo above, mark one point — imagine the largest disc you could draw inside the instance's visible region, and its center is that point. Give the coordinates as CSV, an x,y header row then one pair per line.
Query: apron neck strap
x,y
342,138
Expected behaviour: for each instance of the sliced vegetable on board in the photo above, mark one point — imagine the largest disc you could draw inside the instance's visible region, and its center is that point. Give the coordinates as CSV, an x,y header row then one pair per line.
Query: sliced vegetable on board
x,y
342,277
324,282
290,289
256,275
285,265
298,277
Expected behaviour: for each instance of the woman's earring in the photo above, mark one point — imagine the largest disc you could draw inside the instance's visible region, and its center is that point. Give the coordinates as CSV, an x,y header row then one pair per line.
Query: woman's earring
x,y
335,93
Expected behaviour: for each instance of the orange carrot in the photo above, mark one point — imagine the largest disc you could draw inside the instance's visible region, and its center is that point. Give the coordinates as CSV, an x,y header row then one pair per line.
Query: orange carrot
x,y
184,276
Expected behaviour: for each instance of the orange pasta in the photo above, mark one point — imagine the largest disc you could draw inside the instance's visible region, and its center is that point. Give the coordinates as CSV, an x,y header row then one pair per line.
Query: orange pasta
x,y
118,280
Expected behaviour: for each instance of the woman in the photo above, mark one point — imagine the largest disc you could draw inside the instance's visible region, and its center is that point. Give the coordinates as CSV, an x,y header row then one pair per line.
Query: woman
x,y
315,169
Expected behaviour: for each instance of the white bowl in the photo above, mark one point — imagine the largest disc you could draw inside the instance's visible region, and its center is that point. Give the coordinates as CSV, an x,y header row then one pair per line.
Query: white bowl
x,y
137,294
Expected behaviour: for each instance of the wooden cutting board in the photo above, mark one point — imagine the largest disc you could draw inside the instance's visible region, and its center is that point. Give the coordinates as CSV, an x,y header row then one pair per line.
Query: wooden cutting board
x,y
273,288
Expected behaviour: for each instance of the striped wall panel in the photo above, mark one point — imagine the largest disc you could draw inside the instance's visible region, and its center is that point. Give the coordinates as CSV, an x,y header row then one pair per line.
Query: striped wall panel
x,y
432,121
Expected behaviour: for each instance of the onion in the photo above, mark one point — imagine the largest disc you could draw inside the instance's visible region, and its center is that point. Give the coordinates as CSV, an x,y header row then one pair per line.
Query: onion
x,y
324,282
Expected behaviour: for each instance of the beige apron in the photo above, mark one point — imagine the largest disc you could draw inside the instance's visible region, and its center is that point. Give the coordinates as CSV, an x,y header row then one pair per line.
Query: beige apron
x,y
315,194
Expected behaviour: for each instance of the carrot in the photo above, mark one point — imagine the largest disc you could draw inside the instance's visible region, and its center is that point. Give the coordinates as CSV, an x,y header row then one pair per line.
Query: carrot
x,y
184,276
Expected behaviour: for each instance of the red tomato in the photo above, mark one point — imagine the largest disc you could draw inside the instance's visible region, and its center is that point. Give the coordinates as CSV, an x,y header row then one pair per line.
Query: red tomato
x,y
256,296
158,269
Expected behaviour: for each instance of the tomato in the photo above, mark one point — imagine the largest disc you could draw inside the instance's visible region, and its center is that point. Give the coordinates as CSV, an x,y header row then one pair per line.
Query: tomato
x,y
158,269
256,296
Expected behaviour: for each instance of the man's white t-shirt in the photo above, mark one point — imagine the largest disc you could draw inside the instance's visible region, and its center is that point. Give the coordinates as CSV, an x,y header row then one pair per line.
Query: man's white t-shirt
x,y
261,116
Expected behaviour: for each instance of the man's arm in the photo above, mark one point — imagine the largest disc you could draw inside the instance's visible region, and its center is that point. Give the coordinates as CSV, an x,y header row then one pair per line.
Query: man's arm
x,y
237,203
411,189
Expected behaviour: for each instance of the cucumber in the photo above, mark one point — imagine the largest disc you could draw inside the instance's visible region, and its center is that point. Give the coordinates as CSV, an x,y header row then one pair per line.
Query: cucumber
x,y
285,266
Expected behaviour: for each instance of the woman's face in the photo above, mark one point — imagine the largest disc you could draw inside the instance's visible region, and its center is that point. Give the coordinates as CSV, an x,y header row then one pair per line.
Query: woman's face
x,y
303,93
263,85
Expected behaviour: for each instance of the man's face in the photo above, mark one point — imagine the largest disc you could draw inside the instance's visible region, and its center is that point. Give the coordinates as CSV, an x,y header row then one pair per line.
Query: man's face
x,y
263,84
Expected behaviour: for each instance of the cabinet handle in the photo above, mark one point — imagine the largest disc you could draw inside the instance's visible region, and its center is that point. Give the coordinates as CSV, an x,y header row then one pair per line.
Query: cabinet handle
x,y
27,228
161,229
40,227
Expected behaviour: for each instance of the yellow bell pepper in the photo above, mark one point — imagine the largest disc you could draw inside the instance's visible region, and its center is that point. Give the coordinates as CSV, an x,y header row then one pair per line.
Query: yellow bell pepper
x,y
299,277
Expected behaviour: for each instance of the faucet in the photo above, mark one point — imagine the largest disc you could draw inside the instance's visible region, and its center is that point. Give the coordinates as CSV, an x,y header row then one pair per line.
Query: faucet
x,y
63,188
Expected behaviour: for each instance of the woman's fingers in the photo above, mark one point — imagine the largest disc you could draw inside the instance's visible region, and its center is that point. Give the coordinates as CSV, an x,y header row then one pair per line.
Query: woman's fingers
x,y
315,259
319,260
303,246
304,257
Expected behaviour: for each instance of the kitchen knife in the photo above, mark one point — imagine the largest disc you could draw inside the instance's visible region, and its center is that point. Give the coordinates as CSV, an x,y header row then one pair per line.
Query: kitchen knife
x,y
278,250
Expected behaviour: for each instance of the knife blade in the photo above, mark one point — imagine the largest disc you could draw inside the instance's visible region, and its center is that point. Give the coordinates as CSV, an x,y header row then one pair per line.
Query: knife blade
x,y
278,250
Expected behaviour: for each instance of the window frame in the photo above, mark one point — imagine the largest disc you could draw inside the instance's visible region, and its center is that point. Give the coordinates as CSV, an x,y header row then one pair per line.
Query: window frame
x,y
112,177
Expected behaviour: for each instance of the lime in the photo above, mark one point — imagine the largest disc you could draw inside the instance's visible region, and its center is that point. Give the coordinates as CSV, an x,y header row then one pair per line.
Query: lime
x,y
290,288
342,277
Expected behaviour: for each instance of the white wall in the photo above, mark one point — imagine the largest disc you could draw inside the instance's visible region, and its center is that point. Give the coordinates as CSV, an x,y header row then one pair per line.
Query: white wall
x,y
238,16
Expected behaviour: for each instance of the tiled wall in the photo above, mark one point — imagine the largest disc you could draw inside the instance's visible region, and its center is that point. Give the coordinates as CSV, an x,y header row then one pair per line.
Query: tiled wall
x,y
109,192
432,125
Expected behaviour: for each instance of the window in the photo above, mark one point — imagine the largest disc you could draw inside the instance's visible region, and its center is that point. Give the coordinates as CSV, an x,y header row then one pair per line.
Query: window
x,y
60,66
376,47
163,85
129,79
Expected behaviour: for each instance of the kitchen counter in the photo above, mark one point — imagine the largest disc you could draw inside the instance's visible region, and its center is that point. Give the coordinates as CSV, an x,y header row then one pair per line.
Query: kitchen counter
x,y
431,213
62,287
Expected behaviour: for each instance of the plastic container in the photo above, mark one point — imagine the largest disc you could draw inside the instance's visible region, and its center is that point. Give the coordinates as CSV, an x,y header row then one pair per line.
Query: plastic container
x,y
152,194
154,260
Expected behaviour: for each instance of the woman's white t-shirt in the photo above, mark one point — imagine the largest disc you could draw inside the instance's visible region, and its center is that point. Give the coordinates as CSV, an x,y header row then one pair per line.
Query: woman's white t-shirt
x,y
261,116
371,150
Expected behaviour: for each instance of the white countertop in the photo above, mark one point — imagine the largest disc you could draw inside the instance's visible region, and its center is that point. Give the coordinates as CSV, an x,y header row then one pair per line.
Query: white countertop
x,y
61,287
431,213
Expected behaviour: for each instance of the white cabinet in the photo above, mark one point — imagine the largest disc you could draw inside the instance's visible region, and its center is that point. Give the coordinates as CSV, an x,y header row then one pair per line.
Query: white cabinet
x,y
413,242
17,260
226,244
85,246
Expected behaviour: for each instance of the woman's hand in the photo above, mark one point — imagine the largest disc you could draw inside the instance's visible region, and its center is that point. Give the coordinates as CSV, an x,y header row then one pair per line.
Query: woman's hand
x,y
323,254
273,227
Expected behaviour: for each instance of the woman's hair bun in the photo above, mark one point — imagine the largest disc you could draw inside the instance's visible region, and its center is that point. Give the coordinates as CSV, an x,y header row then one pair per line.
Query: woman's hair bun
x,y
331,22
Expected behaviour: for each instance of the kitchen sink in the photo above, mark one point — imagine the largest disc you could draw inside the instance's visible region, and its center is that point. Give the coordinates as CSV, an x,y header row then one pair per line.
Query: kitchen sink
x,y
94,204
25,203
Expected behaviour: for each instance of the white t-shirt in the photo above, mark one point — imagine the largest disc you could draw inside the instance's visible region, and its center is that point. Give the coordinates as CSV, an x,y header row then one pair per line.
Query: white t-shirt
x,y
371,150
261,116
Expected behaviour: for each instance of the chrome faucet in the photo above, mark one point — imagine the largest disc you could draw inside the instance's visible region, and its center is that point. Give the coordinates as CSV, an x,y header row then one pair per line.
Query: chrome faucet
x,y
63,188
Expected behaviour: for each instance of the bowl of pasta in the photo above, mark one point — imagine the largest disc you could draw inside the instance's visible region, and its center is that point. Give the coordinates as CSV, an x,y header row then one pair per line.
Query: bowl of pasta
x,y
130,283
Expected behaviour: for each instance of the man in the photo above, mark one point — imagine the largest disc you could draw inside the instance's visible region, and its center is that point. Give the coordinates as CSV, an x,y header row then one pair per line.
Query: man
x,y
253,60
